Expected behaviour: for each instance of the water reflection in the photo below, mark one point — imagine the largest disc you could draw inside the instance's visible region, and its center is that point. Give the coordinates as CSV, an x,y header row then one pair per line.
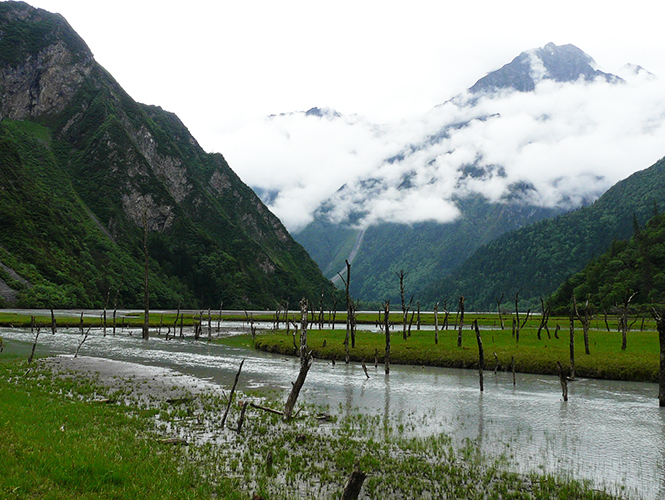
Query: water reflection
x,y
610,432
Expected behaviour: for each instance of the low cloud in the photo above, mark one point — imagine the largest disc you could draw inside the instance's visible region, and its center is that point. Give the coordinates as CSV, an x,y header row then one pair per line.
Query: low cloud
x,y
559,146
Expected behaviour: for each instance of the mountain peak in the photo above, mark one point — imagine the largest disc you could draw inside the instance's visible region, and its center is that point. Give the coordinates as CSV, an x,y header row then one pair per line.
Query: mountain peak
x,y
561,63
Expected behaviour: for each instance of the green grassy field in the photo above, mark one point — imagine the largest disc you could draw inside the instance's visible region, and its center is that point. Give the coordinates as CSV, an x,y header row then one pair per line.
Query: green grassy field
x,y
57,442
639,362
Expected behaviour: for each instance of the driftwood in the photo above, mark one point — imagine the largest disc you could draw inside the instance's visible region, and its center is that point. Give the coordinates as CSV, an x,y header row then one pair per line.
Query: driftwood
x,y
174,441
353,485
265,408
228,406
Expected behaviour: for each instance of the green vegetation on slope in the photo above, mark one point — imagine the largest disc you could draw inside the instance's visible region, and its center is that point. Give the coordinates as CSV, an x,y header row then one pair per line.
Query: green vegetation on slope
x,y
536,259
85,171
636,266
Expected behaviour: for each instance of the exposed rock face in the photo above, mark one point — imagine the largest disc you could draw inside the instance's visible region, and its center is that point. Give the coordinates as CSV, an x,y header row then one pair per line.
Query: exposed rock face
x,y
48,76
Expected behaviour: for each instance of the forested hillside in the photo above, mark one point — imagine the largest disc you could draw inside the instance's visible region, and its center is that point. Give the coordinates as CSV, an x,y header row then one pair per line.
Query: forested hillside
x,y
86,171
629,270
536,259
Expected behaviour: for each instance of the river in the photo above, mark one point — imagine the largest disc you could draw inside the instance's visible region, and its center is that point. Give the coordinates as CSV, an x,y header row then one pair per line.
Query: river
x,y
610,432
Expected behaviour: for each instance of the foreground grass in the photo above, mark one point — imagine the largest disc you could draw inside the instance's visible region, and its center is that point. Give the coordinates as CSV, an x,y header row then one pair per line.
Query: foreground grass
x,y
639,362
57,443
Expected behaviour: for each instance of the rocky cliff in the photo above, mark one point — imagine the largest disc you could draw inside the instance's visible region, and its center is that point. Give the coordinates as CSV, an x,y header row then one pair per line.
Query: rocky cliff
x,y
86,169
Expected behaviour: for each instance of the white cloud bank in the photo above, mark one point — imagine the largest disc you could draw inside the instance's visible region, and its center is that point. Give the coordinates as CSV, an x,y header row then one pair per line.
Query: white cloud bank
x,y
568,142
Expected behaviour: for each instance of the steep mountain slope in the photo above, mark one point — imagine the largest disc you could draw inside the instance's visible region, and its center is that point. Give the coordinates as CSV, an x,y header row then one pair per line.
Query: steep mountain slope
x,y
85,170
536,259
465,210
635,266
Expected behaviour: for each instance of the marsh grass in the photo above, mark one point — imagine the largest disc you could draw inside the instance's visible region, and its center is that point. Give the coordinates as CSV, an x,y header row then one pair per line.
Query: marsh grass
x,y
639,362
57,442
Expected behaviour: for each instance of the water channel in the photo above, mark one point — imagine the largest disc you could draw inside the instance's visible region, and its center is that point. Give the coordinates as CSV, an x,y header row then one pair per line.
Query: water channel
x,y
610,432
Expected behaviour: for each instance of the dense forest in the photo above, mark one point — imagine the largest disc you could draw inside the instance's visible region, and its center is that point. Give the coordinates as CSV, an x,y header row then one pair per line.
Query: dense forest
x,y
536,259
629,270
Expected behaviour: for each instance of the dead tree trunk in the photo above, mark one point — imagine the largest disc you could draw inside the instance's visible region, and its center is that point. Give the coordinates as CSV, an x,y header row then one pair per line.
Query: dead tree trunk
x,y
498,309
401,274
386,329
146,292
233,389
481,355
53,323
586,322
660,326
305,363
623,319
545,317
34,344
348,308
563,379
461,320
572,346
517,316
512,363
436,323
353,485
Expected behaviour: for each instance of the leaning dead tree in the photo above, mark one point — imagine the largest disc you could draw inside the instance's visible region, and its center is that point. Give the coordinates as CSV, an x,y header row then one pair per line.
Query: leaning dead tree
x,y
305,363
233,389
34,344
659,316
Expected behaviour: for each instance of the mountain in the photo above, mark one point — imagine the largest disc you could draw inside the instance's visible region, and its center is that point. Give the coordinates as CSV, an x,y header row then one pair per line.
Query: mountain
x,y
536,259
564,63
452,196
86,172
635,266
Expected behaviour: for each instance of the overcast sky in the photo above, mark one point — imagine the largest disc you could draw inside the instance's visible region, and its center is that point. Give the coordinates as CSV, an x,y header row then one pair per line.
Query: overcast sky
x,y
222,66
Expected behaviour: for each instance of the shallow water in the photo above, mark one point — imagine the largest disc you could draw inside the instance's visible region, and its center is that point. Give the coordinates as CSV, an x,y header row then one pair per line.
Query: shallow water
x,y
610,432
